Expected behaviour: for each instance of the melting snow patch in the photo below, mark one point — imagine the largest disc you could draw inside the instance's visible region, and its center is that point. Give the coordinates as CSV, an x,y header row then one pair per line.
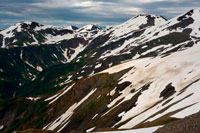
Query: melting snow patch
x,y
63,120
50,39
29,64
77,50
90,130
58,95
112,92
33,98
92,73
98,66
80,77
21,54
140,130
55,56
1,127
94,116
93,55
39,68
110,64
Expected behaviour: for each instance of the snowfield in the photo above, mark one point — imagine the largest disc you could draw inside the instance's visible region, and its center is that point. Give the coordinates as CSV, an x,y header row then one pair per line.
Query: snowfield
x,y
141,130
179,69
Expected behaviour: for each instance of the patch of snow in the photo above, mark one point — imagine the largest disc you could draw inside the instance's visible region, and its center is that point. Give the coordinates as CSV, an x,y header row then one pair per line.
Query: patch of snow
x,y
50,39
52,99
145,46
82,71
14,41
21,54
121,114
36,41
63,120
95,116
98,66
65,54
1,127
93,55
91,74
55,56
3,43
78,60
39,68
90,130
29,64
112,92
44,27
77,50
140,130
80,77
33,98
110,64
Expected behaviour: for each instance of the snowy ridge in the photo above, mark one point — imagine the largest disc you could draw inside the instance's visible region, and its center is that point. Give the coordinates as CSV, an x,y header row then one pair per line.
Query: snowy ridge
x,y
124,30
44,34
186,23
89,27
135,24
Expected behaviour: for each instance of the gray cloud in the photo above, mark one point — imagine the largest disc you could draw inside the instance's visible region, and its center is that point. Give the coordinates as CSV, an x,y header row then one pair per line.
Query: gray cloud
x,y
79,12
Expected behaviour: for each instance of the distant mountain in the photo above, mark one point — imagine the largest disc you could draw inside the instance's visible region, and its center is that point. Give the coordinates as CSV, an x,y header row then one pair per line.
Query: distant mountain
x,y
142,73
29,48
32,33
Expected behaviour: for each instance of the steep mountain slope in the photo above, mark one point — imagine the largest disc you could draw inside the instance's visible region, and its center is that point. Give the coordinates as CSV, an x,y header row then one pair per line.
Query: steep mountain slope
x,y
88,62
27,56
153,91
152,79
167,37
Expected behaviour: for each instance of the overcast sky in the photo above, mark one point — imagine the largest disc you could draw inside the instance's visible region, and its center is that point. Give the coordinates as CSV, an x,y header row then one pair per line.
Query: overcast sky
x,y
81,12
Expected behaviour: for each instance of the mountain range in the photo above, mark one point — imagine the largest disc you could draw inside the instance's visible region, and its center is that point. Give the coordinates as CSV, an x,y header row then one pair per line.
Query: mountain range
x,y
141,75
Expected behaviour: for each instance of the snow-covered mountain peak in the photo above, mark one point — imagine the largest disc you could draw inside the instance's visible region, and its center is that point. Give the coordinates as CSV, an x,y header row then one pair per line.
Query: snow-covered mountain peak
x,y
194,13
71,27
89,27
139,22
147,19
133,25
19,27
30,23
9,32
